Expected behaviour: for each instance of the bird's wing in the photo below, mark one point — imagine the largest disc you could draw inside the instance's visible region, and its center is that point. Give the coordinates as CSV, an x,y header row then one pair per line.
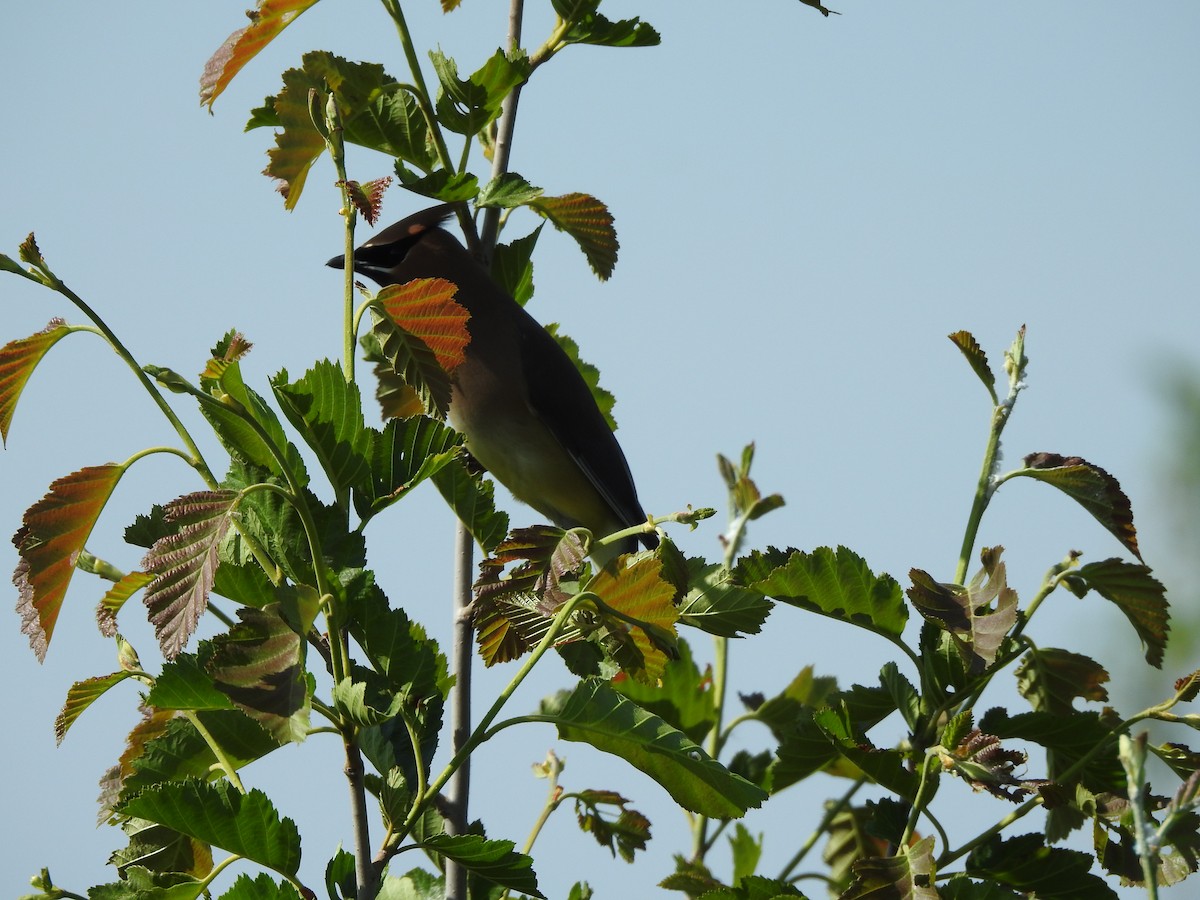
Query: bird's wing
x,y
563,402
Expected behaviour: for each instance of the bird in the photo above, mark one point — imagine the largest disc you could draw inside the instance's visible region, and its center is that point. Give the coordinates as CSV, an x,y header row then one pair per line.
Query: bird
x,y
524,410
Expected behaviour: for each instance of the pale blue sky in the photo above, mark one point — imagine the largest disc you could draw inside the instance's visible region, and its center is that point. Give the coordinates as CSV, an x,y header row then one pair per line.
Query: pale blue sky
x,y
806,207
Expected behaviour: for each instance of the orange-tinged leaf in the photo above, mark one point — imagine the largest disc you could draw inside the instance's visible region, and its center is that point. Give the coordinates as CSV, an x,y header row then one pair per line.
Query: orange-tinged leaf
x,y
266,22
52,534
640,592
589,222
426,309
18,359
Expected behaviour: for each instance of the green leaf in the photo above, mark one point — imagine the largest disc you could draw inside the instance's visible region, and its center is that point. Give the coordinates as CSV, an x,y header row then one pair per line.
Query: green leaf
x,y
962,888
683,696
261,887
589,27
746,850
259,665
1051,679
52,535
139,883
589,222
183,683
112,601
977,628
383,115
80,696
471,498
1067,739
469,106
327,411
717,604
18,359
163,851
440,184
239,410
267,21
902,693
407,452
183,565
495,861
245,824
977,359
1136,592
906,876
886,767
512,266
1025,864
605,401
835,583
507,191
596,714
1089,486
177,750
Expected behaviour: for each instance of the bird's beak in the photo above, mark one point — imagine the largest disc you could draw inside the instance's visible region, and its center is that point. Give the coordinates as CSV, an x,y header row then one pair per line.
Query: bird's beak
x,y
338,262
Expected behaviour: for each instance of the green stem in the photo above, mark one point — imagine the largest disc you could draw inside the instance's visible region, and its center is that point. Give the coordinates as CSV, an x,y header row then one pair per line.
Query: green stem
x,y
822,829
914,815
224,761
337,151
983,493
196,460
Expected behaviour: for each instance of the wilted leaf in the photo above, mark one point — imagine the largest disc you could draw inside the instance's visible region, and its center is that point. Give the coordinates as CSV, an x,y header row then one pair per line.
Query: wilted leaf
x,y
266,22
977,627
627,833
18,359
368,198
983,763
184,563
1089,486
51,537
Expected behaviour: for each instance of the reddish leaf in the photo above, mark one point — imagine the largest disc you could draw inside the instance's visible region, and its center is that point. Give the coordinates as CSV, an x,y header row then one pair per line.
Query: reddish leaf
x,y
1091,487
18,359
368,198
589,222
426,309
184,564
266,22
52,534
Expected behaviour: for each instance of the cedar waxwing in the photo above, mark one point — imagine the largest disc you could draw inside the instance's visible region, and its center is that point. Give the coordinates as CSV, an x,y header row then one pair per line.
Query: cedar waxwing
x,y
526,413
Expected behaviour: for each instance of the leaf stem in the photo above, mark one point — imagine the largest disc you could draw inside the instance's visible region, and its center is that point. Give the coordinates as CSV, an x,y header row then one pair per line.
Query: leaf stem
x,y
224,761
831,812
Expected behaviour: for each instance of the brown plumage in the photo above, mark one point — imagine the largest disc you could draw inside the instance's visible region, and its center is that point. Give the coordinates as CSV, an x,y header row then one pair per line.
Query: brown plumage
x,y
525,411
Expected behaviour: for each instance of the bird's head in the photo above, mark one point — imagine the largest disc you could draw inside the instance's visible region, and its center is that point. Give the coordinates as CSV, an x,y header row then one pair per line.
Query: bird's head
x,y
380,257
